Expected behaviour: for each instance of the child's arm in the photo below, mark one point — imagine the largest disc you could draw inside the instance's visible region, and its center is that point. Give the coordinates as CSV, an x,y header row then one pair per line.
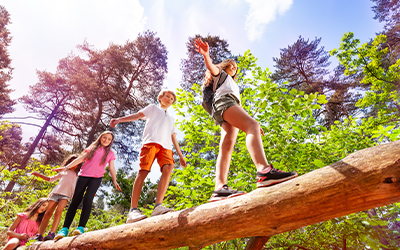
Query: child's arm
x,y
12,234
113,174
182,160
129,118
73,164
203,49
44,177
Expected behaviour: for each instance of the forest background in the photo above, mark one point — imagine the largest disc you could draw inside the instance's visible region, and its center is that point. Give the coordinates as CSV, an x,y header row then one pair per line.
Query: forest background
x,y
314,112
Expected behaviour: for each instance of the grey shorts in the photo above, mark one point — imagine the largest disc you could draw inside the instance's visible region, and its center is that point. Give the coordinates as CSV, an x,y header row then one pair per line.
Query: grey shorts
x,y
222,104
58,197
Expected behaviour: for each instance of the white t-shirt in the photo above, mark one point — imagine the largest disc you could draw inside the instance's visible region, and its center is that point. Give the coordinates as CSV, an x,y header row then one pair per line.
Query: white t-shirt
x,y
228,87
160,125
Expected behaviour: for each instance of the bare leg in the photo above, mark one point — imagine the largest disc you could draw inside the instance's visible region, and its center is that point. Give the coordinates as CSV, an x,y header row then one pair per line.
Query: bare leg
x,y
164,182
47,216
12,244
137,187
228,138
238,117
57,215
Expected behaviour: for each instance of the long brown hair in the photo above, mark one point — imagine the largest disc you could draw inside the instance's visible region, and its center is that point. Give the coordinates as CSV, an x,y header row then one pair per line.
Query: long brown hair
x,y
32,209
70,159
95,145
208,78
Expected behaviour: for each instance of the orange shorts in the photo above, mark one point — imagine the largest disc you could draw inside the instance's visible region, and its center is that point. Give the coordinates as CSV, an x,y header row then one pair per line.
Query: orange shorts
x,y
149,152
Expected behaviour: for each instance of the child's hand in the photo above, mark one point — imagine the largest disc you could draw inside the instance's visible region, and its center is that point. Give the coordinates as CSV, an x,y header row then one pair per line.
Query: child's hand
x,y
182,161
201,47
24,237
114,122
117,186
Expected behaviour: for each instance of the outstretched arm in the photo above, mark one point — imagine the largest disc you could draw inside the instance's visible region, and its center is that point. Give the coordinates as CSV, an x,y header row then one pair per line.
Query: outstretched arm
x,y
42,176
203,49
182,160
128,118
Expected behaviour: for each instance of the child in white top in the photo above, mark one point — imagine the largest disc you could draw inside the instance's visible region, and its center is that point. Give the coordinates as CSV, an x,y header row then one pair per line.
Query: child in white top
x,y
58,198
158,137
228,113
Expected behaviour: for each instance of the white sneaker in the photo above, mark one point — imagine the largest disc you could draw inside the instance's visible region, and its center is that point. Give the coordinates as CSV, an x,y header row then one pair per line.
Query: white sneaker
x,y
134,216
160,209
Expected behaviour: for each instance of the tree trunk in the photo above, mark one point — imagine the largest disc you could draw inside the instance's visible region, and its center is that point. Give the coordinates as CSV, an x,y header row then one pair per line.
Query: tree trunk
x,y
257,243
363,180
93,129
33,146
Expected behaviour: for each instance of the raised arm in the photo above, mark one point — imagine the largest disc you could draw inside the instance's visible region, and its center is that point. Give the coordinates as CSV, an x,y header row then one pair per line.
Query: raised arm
x,y
182,160
203,49
128,118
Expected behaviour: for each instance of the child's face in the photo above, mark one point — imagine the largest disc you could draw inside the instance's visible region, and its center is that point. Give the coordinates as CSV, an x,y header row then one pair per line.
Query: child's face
x,y
166,100
106,140
43,207
231,69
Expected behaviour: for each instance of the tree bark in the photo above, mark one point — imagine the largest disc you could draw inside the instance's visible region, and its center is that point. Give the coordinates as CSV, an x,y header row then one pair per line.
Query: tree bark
x,y
363,180
257,243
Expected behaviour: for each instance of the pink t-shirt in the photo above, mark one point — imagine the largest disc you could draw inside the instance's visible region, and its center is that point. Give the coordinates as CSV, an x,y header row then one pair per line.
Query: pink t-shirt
x,y
93,167
26,226
66,186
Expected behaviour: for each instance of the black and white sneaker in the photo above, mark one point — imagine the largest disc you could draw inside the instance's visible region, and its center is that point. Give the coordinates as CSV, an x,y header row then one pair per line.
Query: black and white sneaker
x,y
274,176
224,193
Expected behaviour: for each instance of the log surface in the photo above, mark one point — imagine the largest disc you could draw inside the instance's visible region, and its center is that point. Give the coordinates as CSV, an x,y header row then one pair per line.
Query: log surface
x,y
365,179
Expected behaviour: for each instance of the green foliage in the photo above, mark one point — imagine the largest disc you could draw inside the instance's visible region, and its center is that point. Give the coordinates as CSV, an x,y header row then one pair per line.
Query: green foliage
x,y
29,189
383,95
123,199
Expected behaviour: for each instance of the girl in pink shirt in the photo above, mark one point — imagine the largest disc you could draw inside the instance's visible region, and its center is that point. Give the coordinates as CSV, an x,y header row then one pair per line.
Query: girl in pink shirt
x,y
58,198
26,224
95,159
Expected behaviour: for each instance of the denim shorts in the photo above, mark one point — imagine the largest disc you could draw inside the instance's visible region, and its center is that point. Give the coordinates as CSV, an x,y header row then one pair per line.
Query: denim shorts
x,y
221,104
58,197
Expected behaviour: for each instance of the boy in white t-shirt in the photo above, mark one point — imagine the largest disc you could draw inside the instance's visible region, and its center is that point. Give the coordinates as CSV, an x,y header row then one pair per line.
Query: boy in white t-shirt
x,y
159,134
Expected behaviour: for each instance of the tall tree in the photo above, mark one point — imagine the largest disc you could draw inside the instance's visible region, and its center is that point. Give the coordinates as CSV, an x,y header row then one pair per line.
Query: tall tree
x,y
48,99
128,78
193,67
6,103
304,66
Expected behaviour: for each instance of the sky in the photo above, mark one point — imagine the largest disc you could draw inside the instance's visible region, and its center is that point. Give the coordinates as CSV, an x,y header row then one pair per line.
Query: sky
x,y
45,31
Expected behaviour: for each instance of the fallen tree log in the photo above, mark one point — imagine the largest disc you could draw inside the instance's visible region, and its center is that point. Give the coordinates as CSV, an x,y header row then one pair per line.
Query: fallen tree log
x,y
365,179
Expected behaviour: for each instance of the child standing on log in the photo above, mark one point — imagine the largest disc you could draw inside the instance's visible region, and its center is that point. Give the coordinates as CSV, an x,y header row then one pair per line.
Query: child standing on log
x,y
26,224
230,115
158,137
96,157
59,197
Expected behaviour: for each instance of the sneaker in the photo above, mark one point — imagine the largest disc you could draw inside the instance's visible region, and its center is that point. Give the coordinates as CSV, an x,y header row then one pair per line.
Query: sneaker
x,y
38,237
62,233
273,176
78,231
160,209
134,216
50,236
224,193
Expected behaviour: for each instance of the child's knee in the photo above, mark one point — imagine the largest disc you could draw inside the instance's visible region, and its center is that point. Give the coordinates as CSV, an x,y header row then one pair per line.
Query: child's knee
x,y
167,168
142,174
